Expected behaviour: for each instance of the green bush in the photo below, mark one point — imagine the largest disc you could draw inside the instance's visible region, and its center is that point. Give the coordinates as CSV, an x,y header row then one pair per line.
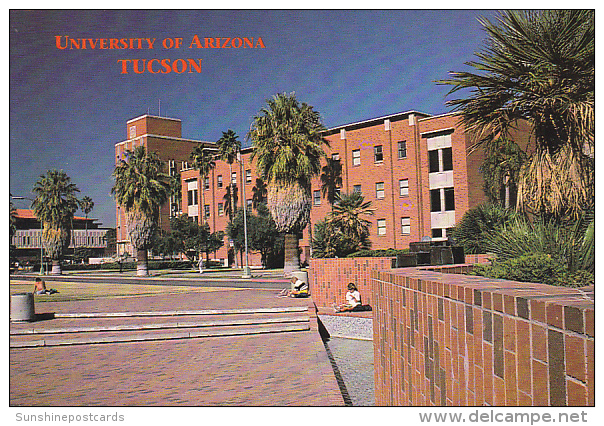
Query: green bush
x,y
378,253
477,223
534,268
579,278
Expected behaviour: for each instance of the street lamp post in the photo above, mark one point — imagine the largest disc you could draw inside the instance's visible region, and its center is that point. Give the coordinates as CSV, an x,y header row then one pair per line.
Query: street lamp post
x,y
19,197
247,273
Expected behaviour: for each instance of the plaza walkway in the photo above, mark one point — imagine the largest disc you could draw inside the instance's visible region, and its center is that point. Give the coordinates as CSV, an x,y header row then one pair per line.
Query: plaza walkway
x,y
191,347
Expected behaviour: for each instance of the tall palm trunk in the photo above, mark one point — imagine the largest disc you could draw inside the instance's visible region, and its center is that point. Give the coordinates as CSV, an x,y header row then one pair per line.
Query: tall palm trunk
x,y
292,256
142,263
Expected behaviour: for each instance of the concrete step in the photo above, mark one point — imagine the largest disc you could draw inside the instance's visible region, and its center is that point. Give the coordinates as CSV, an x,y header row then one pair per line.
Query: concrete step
x,y
98,327
186,333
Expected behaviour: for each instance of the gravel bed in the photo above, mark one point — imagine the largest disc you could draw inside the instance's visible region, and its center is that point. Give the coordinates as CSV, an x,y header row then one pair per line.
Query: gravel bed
x,y
348,327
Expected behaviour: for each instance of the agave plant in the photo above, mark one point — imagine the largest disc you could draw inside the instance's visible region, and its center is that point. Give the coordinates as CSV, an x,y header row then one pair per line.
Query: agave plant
x,y
288,147
571,244
55,205
478,223
140,189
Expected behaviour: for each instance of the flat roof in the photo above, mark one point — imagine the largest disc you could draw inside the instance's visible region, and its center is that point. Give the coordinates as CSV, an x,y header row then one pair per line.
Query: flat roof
x,y
152,116
377,119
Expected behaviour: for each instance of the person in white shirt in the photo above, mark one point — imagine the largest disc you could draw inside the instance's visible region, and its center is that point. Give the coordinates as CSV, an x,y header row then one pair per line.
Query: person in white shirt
x,y
300,289
353,299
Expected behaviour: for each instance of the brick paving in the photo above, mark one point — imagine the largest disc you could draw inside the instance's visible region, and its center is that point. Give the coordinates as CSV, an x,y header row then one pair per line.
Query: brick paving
x,y
274,369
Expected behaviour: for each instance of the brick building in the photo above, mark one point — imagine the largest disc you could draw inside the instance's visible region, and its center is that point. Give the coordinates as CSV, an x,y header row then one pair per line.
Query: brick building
x,y
418,171
163,136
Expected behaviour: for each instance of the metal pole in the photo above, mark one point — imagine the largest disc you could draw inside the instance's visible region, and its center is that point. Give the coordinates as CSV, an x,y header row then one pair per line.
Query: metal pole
x,y
247,273
41,252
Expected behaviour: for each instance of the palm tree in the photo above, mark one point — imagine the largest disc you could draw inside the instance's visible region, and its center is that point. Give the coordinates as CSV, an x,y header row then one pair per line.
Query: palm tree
x,y
288,147
229,147
331,179
140,189
86,205
538,67
348,219
54,206
230,201
259,193
203,161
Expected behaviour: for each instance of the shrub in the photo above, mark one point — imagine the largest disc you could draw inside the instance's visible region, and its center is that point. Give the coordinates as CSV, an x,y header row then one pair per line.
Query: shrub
x,y
477,223
378,253
535,268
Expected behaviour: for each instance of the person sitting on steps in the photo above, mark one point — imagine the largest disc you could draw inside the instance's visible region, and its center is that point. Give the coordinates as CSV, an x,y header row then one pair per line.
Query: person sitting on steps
x,y
300,289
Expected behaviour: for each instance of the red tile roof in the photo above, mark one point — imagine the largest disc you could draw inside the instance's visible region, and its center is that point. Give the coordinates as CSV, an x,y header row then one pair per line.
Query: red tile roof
x,y
29,214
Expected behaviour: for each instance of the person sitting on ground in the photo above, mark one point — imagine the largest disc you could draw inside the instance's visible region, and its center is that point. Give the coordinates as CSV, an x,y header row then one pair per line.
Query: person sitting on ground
x,y
300,289
353,300
40,288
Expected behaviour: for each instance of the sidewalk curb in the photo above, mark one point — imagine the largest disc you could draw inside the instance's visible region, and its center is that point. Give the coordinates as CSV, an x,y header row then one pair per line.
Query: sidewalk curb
x,y
181,313
137,327
156,337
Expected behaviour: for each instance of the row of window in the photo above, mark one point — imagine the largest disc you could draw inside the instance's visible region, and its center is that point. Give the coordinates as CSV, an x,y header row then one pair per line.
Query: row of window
x,y
403,187
194,202
219,180
378,153
405,226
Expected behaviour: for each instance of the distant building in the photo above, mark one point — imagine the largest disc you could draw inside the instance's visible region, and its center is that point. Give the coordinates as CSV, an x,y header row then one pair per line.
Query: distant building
x,y
419,172
163,136
27,238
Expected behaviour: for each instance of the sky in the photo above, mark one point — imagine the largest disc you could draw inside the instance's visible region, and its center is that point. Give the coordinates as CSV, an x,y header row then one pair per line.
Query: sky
x,y
69,107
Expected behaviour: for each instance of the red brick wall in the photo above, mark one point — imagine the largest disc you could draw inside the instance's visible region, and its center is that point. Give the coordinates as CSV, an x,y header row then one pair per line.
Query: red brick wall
x,y
458,340
328,278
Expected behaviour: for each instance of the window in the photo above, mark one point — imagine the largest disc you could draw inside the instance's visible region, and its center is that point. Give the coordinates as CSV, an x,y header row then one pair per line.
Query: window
x,y
206,210
437,233
379,190
356,189
435,200
444,197
234,178
403,186
220,209
184,165
219,182
316,195
335,156
172,167
248,176
449,199
132,132
192,197
381,226
206,183
405,225
447,159
378,154
248,203
434,163
356,157
402,149
441,160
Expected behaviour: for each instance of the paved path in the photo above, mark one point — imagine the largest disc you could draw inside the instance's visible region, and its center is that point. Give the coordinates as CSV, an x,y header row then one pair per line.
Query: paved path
x,y
277,369
260,280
